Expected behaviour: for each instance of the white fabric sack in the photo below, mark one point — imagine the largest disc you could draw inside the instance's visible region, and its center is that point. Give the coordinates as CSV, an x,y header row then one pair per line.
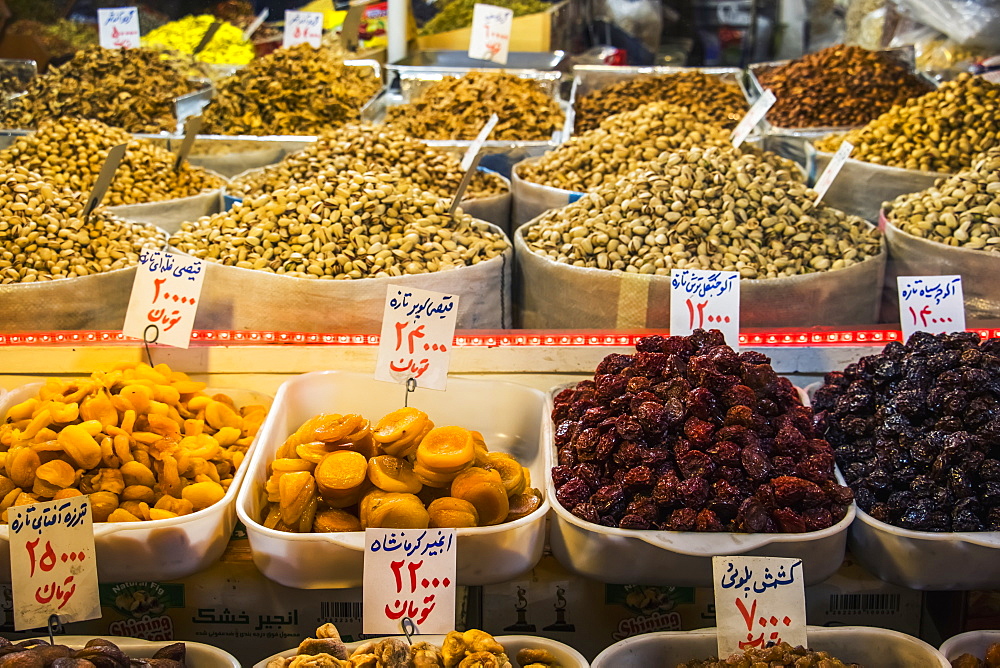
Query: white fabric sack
x,y
97,301
231,164
169,214
233,298
553,295
533,199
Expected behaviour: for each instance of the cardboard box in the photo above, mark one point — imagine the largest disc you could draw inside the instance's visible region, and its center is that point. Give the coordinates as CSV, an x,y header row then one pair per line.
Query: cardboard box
x,y
544,31
590,616
230,605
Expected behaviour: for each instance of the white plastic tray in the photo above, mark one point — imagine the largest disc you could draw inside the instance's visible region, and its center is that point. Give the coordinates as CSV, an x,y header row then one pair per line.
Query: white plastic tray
x,y
568,657
972,642
159,549
678,558
198,654
510,417
868,646
926,559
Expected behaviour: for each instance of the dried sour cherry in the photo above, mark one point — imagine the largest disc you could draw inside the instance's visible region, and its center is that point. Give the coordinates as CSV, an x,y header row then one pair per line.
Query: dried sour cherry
x,y
915,429
688,435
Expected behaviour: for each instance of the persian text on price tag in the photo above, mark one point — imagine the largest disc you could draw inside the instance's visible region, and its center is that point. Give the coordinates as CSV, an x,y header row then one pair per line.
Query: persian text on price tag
x,y
491,27
750,121
52,563
418,327
758,600
409,573
932,304
832,169
705,299
118,28
165,296
302,27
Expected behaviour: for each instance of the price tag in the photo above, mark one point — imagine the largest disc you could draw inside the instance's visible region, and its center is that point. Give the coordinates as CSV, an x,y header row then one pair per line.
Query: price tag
x,y
491,28
118,28
418,327
164,298
758,600
750,121
52,564
832,169
932,304
409,573
705,299
302,27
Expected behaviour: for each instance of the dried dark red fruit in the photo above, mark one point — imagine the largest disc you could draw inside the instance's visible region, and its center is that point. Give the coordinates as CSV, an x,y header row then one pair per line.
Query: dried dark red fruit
x,y
586,511
683,519
707,520
573,492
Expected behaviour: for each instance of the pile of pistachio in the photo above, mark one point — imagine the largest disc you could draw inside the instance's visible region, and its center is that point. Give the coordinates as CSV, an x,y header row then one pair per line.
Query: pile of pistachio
x,y
370,148
71,151
44,236
704,208
342,225
960,210
941,131
458,107
132,89
296,90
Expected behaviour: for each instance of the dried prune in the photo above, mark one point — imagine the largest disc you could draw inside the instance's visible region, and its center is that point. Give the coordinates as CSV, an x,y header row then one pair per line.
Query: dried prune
x,y
682,434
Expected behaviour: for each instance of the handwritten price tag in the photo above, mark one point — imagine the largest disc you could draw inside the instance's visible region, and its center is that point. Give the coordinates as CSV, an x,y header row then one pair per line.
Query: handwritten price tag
x,y
302,27
491,28
750,121
164,298
832,169
52,563
118,28
932,304
705,299
409,573
418,327
758,600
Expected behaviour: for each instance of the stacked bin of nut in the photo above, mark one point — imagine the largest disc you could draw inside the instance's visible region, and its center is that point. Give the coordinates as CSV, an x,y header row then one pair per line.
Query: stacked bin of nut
x,y
69,152
145,443
457,107
297,90
704,94
342,473
45,237
701,208
132,89
344,225
365,148
839,86
688,435
940,131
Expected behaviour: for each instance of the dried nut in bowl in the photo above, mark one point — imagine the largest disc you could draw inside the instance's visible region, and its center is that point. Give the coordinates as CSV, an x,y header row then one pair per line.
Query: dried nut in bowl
x,y
145,443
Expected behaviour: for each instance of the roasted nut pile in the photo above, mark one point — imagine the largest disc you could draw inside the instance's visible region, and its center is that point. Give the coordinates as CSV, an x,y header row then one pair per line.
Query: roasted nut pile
x,y
781,654
713,208
69,152
132,89
688,435
620,145
43,236
839,86
991,659
706,95
37,653
342,225
297,90
226,47
469,649
342,473
145,443
916,432
457,14
961,210
458,107
940,131
370,148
